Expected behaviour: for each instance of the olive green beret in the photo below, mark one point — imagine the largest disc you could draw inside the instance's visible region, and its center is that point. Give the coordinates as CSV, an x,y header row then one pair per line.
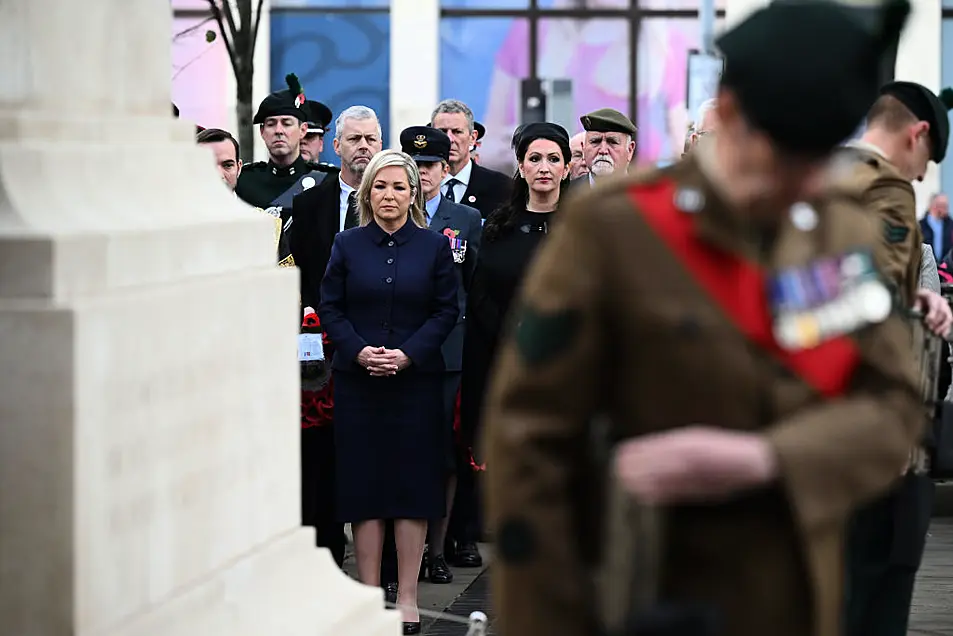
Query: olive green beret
x,y
608,120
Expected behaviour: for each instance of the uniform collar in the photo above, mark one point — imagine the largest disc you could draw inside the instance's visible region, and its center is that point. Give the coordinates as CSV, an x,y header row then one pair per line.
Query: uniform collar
x,y
296,169
860,144
401,236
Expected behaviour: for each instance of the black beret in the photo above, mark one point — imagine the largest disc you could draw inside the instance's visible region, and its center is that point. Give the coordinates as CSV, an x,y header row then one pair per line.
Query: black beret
x,y
785,81
286,103
481,130
318,116
608,120
542,130
425,144
926,106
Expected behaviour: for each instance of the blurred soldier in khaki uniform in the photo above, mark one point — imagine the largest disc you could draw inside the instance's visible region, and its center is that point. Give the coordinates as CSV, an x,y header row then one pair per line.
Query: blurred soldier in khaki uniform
x,y
907,127
737,340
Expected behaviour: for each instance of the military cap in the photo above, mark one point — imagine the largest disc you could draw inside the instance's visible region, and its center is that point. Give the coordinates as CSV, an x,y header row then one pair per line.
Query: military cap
x,y
608,120
425,144
481,130
318,116
286,103
784,81
926,106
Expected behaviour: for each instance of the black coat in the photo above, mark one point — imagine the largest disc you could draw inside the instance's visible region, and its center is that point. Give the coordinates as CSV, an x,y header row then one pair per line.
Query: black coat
x,y
487,190
316,215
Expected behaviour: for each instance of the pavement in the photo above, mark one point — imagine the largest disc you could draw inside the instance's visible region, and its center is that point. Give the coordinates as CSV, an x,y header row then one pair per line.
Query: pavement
x,y
932,613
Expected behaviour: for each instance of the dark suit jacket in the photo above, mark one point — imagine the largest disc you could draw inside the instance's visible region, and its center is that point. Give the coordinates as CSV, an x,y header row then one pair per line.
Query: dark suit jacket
x,y
487,190
396,291
927,231
465,223
317,220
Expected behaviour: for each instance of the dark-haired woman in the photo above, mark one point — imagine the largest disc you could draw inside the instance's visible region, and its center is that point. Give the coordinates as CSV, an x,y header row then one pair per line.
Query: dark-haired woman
x,y
511,236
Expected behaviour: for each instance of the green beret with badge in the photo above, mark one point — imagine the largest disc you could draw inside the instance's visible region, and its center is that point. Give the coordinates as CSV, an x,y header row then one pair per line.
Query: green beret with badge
x,y
284,103
608,120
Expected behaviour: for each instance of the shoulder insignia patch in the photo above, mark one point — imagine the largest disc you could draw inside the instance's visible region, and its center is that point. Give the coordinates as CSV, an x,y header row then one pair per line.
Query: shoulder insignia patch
x,y
895,233
542,336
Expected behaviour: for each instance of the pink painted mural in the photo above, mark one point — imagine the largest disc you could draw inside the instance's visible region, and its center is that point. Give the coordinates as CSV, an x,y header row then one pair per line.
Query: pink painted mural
x,y
200,70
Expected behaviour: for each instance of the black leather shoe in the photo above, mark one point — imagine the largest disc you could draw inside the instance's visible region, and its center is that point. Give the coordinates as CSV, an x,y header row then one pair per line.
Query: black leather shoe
x,y
390,593
411,628
439,570
468,556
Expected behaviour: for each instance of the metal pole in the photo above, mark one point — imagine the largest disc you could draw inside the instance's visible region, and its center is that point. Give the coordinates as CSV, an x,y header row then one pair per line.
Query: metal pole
x,y
706,17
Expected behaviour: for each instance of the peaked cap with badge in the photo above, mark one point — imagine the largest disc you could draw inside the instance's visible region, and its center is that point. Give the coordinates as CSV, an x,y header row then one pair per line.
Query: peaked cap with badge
x,y
284,103
318,117
772,66
608,120
425,144
695,284
928,107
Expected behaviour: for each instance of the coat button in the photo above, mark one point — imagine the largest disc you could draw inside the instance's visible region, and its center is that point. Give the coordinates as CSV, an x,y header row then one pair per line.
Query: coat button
x,y
390,244
389,279
389,261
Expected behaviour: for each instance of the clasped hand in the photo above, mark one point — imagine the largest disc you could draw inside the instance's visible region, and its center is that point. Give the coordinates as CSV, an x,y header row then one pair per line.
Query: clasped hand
x,y
380,361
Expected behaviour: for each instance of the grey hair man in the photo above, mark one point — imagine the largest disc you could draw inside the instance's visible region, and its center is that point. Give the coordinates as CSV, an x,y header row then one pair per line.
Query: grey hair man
x,y
467,182
357,138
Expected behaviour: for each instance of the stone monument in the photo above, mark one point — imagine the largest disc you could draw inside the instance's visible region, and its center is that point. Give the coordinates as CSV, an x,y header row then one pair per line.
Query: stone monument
x,y
149,460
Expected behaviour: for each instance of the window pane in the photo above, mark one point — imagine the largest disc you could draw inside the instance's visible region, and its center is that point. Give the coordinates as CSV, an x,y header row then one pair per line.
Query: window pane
x,y
946,74
594,56
200,72
341,59
678,5
663,64
483,61
484,4
348,4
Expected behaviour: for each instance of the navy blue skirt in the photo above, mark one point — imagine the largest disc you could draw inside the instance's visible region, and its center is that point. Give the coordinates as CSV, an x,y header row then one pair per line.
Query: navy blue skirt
x,y
389,437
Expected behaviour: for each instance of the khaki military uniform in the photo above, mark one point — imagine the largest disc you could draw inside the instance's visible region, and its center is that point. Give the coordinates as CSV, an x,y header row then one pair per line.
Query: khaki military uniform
x,y
612,323
864,175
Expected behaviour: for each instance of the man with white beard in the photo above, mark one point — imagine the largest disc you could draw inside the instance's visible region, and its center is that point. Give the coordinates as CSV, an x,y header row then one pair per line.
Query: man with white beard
x,y
609,143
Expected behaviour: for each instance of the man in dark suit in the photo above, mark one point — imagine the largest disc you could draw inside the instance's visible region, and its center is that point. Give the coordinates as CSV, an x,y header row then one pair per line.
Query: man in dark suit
x,y
467,182
317,215
937,226
463,227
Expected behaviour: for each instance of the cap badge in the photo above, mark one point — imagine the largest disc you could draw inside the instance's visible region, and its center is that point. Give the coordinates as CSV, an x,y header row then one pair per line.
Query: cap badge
x,y
420,141
299,100
689,200
803,217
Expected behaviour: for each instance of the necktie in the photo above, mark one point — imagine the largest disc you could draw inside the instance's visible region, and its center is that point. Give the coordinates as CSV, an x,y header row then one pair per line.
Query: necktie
x,y
449,194
351,219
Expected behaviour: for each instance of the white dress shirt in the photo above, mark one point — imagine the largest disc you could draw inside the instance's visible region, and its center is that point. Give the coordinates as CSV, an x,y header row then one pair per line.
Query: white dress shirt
x,y
459,188
346,190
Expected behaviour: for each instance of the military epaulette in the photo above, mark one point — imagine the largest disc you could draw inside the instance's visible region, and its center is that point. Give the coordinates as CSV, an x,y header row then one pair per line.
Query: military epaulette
x,y
323,167
256,165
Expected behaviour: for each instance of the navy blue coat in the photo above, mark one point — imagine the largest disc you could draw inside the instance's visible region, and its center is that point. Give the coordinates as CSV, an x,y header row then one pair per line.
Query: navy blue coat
x,y
395,291
466,225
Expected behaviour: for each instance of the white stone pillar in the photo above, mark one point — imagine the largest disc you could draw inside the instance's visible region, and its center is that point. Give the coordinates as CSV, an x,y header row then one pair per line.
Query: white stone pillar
x,y
149,426
414,63
918,60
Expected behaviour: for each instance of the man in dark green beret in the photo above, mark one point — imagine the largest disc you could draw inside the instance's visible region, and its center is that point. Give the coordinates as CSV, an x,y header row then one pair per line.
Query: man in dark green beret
x,y
282,123
907,128
609,143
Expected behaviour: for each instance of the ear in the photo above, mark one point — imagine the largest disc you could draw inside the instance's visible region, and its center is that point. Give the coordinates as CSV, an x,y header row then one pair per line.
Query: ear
x,y
337,147
303,128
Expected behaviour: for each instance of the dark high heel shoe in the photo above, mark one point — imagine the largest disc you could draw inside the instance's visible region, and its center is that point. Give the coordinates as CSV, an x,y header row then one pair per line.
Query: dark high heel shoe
x,y
439,570
411,628
390,593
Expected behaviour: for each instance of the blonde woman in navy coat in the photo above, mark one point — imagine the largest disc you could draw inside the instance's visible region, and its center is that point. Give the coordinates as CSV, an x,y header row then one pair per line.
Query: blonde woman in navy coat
x,y
388,302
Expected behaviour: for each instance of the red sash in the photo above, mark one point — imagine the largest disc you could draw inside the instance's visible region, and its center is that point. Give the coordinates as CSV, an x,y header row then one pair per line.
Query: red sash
x,y
738,287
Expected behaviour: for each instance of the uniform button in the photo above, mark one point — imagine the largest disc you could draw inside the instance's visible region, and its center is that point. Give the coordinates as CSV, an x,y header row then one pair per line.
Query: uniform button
x,y
389,261
389,279
390,244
